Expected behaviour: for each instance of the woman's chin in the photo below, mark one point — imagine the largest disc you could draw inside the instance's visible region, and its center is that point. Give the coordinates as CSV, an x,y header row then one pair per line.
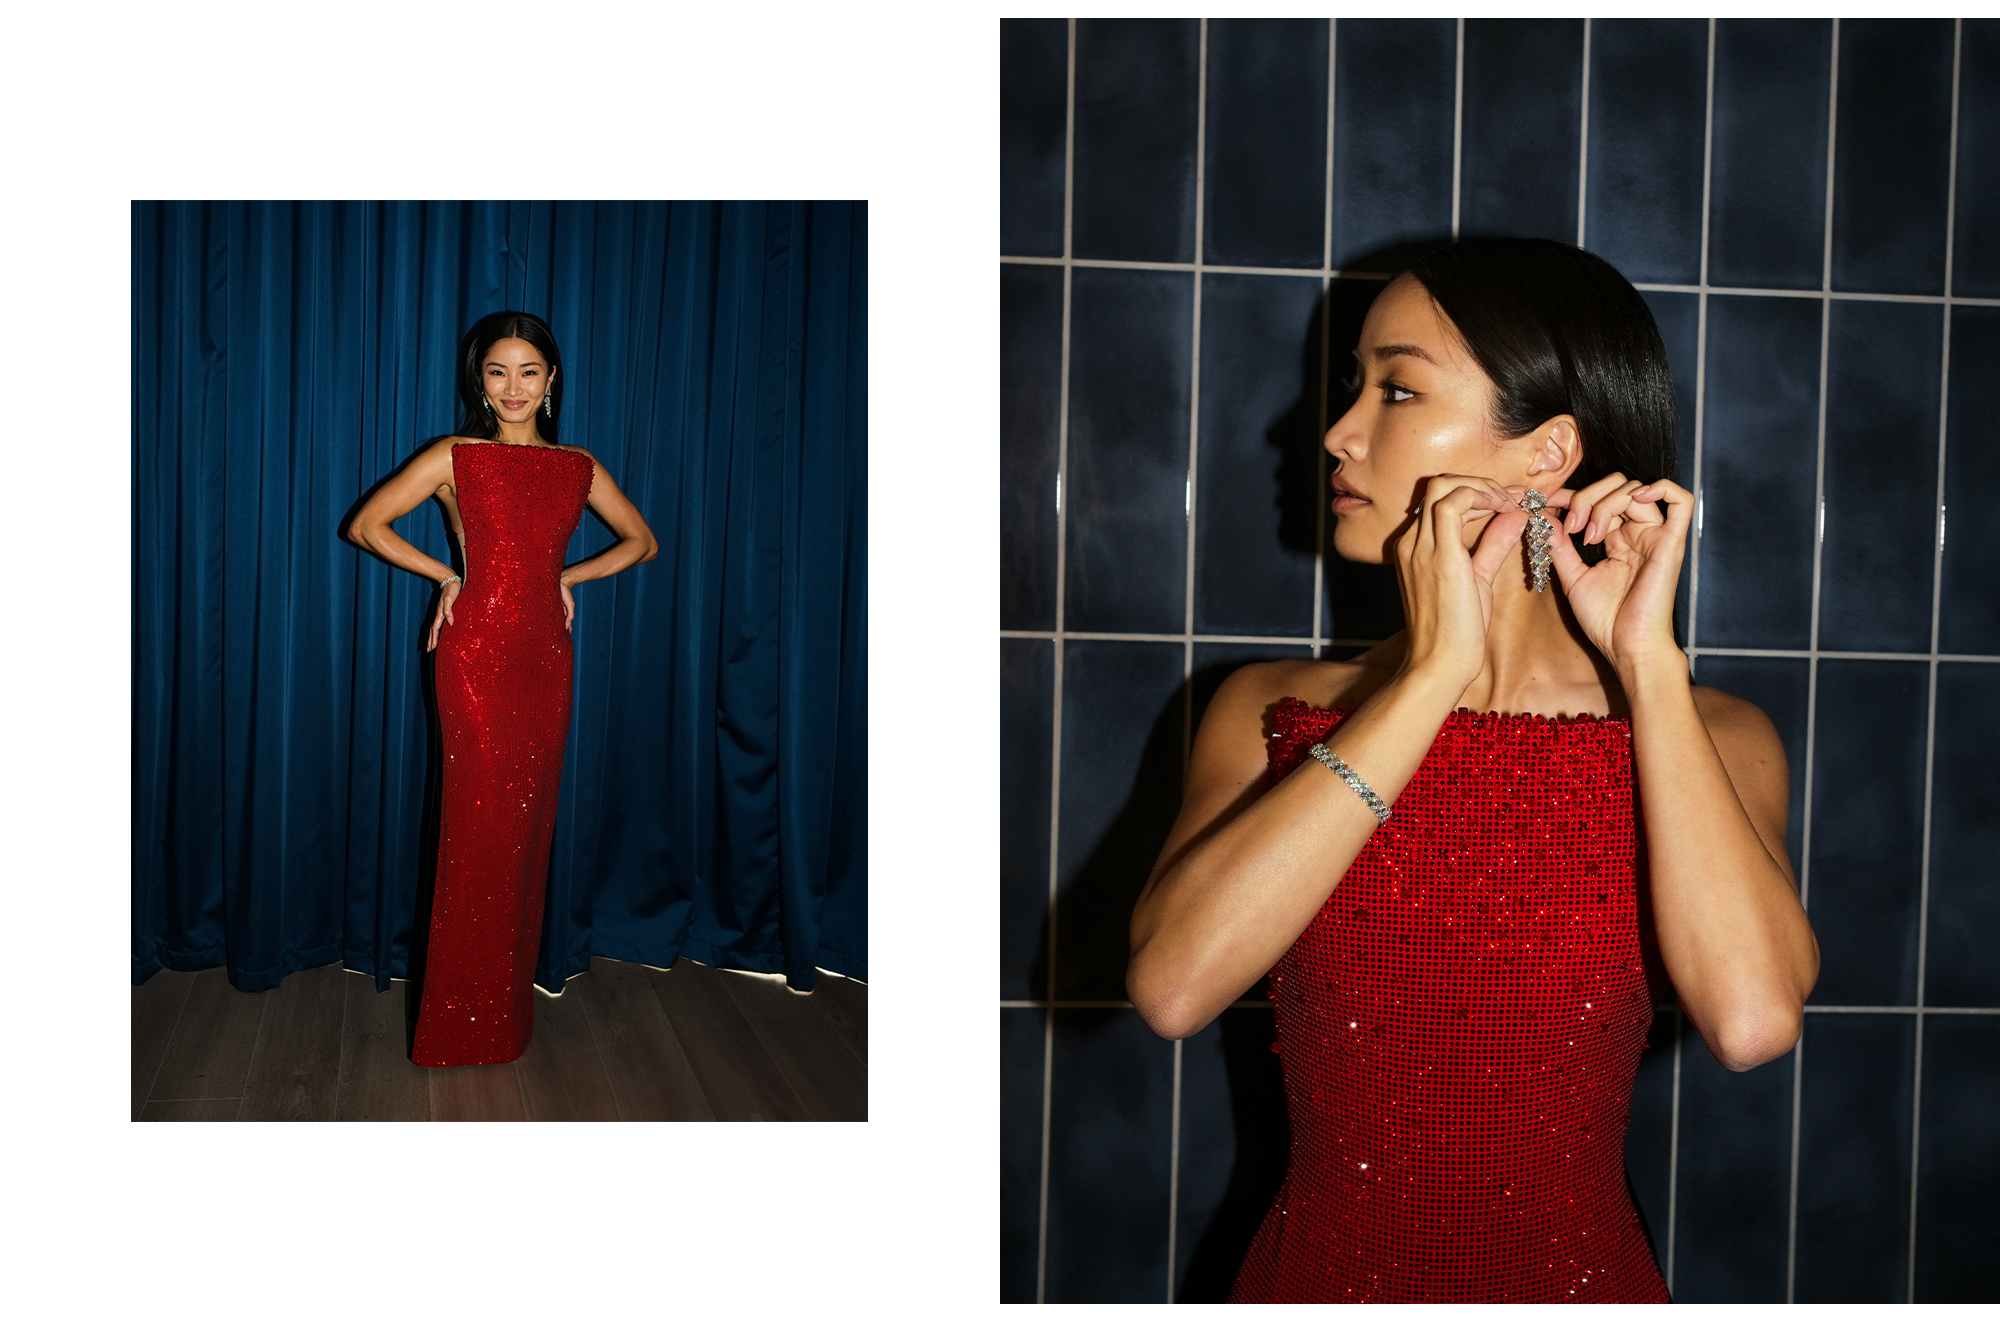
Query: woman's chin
x,y
1351,544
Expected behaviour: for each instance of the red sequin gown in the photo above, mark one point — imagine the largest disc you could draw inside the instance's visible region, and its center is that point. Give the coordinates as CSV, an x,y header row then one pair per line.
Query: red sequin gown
x,y
503,681
1460,1025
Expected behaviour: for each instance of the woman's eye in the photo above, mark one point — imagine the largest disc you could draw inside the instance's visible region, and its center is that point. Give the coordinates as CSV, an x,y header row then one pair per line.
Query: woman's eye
x,y
1395,394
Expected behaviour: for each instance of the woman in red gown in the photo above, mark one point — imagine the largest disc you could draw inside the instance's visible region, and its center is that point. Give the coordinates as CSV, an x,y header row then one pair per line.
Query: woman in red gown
x,y
1471,858
501,632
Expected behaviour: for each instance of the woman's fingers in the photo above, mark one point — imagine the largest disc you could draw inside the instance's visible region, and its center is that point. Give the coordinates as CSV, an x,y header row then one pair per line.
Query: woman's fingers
x,y
1497,541
1582,501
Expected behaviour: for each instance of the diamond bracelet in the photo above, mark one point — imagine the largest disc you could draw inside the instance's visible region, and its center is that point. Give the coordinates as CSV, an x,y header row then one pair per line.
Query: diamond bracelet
x,y
1332,762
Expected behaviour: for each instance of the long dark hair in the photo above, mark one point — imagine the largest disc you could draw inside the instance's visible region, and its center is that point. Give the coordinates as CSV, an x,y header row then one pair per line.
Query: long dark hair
x,y
480,424
1560,331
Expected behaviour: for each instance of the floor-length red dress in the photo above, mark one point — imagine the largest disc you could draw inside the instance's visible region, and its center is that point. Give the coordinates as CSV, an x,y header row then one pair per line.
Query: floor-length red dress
x,y
503,683
1460,1026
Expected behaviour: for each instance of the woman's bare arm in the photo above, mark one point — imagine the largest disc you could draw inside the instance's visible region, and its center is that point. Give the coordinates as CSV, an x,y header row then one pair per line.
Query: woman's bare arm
x,y
636,543
420,479
1242,875
1732,935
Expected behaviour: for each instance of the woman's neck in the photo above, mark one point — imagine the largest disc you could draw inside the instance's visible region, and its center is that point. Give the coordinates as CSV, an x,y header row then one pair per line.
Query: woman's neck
x,y
1537,659
518,433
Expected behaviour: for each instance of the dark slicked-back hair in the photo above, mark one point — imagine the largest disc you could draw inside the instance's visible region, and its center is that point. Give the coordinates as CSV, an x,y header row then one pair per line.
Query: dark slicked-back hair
x,y
487,332
1560,331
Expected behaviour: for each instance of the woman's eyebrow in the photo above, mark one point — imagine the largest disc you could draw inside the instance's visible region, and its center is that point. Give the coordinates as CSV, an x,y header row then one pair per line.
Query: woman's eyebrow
x,y
1387,351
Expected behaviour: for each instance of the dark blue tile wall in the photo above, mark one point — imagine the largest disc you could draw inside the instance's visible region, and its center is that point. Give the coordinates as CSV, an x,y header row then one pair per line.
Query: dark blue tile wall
x,y
1975,266
1882,364
1867,829
1648,134
1131,355
1123,714
1523,90
1137,85
1266,163
1027,720
1034,129
1964,914
1969,612
1030,404
1958,1218
1855,1095
1892,150
1759,459
1257,532
1790,396
1393,93
1109,1159
1021,1041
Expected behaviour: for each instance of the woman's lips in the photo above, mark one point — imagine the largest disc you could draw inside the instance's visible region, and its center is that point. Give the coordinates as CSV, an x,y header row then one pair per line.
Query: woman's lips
x,y
513,403
1346,502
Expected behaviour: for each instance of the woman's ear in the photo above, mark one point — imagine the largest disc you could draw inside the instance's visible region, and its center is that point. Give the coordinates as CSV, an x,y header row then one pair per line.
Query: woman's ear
x,y
1556,447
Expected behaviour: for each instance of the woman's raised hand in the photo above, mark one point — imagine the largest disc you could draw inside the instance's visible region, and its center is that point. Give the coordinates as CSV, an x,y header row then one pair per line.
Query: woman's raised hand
x,y
446,595
1448,590
1625,602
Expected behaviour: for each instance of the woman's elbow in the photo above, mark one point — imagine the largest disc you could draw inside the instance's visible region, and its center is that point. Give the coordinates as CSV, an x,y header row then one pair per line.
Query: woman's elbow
x,y
1167,1010
1758,1040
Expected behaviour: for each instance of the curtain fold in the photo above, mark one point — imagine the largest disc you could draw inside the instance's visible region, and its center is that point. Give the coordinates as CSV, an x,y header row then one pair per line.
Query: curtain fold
x,y
287,357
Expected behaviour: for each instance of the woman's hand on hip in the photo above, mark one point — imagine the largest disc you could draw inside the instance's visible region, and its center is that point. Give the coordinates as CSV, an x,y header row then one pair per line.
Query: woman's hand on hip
x,y
1448,589
569,603
1625,602
446,595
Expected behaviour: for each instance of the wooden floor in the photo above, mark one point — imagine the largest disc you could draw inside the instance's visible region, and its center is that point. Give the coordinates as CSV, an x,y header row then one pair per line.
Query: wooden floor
x,y
623,1042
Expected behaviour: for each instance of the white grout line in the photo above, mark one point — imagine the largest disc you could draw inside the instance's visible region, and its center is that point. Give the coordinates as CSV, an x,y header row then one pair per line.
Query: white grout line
x,y
1930,713
1674,1153
1583,138
1056,727
1701,340
1457,124
1792,1189
1174,1166
1325,350
1284,640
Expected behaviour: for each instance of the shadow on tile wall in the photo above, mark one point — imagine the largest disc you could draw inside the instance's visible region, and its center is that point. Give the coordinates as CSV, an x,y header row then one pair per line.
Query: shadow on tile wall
x,y
1195,216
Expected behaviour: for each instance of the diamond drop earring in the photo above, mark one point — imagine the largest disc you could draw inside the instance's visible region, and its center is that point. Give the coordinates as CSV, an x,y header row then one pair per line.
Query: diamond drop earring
x,y
1535,537
549,404
487,400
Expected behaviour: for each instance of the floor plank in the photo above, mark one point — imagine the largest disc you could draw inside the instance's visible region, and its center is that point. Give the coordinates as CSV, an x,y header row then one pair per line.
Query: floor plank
x,y
209,1108
156,1008
643,1057
831,1083
843,1004
377,1079
295,1070
475,1092
209,1053
562,1077
736,1070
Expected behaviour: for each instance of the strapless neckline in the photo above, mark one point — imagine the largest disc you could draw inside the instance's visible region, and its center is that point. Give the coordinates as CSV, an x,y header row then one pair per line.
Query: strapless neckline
x,y
1464,715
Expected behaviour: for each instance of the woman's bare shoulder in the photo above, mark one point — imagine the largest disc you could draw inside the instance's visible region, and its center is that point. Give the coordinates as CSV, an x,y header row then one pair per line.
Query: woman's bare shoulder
x,y
1260,686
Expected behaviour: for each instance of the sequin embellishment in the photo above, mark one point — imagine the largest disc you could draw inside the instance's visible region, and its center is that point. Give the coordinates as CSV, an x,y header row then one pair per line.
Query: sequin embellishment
x,y
1459,1028
503,685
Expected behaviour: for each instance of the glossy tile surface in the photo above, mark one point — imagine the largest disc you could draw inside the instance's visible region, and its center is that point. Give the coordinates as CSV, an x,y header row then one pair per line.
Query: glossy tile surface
x,y
1131,363
1393,90
1648,123
1975,262
1034,110
1109,1158
1735,1178
1256,497
1027,724
1678,317
1867,829
1136,93
1876,559
1123,716
1964,915
1234,1141
1767,184
1020,1153
1265,183
1759,457
1958,1160
1969,609
1030,401
1854,1158
1522,126
1892,150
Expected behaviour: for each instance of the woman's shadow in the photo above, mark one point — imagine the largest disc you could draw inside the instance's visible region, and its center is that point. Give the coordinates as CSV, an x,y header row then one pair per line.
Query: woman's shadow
x,y
1232,1060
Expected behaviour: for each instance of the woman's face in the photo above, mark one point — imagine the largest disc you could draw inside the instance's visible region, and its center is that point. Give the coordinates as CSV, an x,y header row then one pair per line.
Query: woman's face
x,y
1422,407
516,378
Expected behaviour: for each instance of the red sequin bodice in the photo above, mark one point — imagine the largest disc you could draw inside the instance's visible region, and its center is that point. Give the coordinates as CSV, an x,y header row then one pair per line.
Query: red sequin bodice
x,y
1460,1025
503,682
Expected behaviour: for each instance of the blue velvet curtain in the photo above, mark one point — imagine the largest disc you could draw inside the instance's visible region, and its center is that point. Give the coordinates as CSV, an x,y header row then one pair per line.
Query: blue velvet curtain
x,y
286,358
